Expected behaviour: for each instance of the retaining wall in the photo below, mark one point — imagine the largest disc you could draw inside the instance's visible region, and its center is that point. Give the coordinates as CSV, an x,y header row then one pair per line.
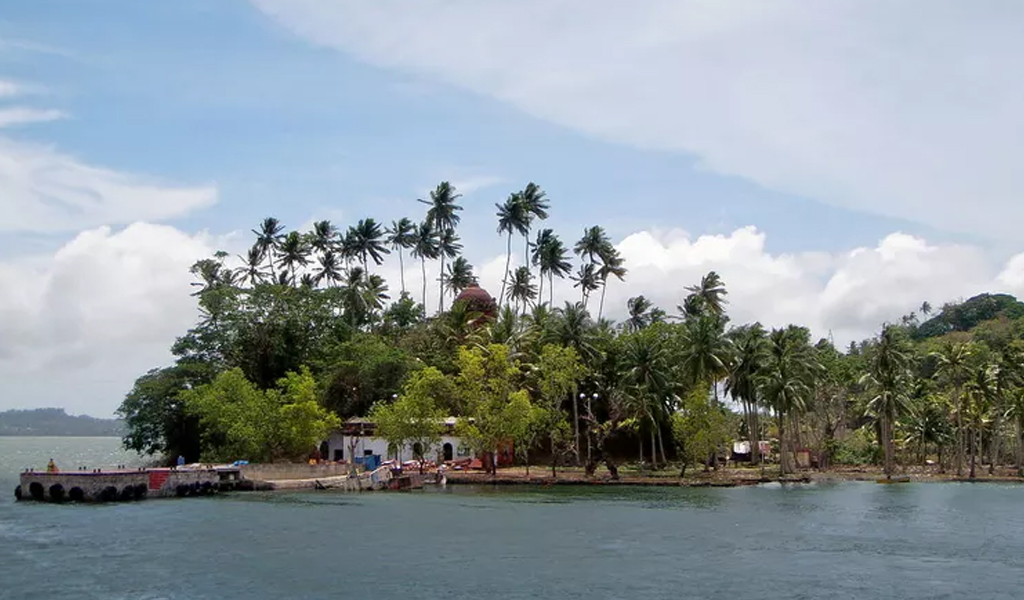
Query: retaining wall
x,y
108,486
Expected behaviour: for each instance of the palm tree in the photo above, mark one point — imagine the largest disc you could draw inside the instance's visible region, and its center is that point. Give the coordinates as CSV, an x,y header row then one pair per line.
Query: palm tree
x,y
646,376
268,237
785,381
586,279
447,246
252,269
460,276
638,308
375,296
294,253
751,356
535,206
521,290
709,295
513,217
368,242
324,237
425,246
706,351
401,236
611,264
443,214
329,269
953,367
593,243
888,378
552,257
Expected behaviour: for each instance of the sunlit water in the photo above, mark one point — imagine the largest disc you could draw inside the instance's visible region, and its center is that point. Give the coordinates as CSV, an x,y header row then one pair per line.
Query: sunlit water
x,y
854,540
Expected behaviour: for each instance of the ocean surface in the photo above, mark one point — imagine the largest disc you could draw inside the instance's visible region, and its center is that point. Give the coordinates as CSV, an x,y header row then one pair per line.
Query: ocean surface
x,y
849,540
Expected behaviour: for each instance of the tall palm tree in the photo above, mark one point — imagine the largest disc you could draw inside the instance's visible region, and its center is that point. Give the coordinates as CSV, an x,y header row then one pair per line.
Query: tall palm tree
x,y
888,378
552,257
448,246
443,214
592,244
324,237
294,253
268,237
460,276
706,351
252,269
425,247
535,205
329,269
611,264
749,361
521,290
586,279
1009,373
786,381
368,242
401,236
709,295
980,393
953,365
513,217
647,377
375,295
639,317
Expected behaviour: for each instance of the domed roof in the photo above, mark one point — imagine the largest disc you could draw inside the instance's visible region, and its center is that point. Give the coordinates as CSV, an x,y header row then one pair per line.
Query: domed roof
x,y
478,300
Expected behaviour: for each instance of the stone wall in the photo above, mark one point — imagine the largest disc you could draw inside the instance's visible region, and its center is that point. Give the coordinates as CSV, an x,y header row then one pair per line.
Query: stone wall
x,y
109,486
275,471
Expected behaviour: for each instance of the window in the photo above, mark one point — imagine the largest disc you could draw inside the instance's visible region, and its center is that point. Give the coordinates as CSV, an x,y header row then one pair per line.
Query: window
x,y
339,455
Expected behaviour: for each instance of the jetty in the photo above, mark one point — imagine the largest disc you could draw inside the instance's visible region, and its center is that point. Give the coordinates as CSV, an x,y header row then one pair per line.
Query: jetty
x,y
121,485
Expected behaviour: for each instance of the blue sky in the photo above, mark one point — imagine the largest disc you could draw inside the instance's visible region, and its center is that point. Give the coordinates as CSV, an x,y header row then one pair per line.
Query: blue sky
x,y
836,169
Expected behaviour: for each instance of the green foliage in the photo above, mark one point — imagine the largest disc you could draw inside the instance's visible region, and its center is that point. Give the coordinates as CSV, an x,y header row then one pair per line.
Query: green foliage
x,y
969,314
415,418
240,421
155,416
362,371
858,448
700,428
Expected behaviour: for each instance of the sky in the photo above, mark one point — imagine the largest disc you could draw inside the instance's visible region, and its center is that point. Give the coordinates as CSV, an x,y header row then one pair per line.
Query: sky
x,y
837,163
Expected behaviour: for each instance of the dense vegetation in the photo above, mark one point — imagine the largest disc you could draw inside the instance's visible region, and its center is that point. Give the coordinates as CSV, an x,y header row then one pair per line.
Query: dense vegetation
x,y
300,333
56,422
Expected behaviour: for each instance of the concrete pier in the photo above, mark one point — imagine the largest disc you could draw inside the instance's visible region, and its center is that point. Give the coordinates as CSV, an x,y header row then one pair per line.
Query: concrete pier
x,y
124,485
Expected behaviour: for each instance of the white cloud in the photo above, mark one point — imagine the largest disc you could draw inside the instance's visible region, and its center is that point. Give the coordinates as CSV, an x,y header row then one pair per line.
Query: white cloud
x,y
77,327
47,191
832,100
21,115
9,88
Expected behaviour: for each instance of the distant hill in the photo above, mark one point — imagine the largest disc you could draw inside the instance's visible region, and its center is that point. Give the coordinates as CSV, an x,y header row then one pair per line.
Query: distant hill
x,y
56,422
967,315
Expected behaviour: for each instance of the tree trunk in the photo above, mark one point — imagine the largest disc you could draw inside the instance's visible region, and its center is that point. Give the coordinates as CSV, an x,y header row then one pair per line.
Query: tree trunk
x,y
755,448
401,268
600,307
993,447
959,435
886,448
423,270
526,459
540,289
661,446
783,456
440,279
1020,445
640,437
508,263
654,452
974,450
576,424
551,289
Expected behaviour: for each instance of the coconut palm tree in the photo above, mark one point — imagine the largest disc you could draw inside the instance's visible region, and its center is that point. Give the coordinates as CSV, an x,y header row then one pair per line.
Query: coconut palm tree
x,y
552,257
888,378
443,214
448,246
268,237
750,344
368,242
638,308
611,264
594,242
647,378
785,383
425,247
521,290
952,368
253,270
329,270
294,253
324,237
513,217
586,279
535,206
460,276
401,236
706,352
709,295
980,392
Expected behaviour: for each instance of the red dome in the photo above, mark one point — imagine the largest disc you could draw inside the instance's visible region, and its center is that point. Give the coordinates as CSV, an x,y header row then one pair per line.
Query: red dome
x,y
478,300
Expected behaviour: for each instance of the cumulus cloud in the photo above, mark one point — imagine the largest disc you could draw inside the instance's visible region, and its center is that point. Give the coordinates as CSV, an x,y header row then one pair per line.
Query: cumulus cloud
x,y
77,327
833,101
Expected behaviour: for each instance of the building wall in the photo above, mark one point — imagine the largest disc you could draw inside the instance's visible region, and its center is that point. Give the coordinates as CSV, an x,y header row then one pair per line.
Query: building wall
x,y
338,448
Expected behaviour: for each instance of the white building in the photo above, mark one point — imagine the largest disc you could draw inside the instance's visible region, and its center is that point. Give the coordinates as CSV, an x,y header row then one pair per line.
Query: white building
x,y
356,439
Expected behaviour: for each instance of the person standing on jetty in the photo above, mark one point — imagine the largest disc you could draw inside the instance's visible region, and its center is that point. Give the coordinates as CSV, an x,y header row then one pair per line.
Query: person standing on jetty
x,y
51,467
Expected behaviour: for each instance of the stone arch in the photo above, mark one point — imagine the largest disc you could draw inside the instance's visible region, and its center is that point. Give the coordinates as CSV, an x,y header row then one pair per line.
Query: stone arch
x,y
76,494
36,490
448,451
57,492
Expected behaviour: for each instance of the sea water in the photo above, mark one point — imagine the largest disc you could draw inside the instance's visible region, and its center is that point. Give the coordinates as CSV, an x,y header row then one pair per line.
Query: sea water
x,y
847,540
